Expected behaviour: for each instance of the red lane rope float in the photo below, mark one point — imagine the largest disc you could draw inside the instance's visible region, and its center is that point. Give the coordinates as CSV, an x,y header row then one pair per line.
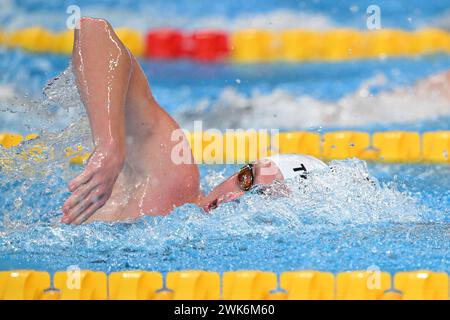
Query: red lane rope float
x,y
164,44
208,45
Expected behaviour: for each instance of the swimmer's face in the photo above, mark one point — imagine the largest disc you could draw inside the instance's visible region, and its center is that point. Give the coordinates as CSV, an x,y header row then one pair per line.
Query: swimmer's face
x,y
264,172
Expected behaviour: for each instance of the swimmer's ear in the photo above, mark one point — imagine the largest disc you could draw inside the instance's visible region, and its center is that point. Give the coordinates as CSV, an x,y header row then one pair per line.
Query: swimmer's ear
x,y
267,167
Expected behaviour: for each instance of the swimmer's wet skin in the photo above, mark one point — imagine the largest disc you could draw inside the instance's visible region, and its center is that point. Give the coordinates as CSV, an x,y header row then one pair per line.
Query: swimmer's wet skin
x,y
130,172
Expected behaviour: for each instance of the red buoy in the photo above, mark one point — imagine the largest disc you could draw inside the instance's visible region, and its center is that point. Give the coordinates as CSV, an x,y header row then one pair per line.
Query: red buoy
x,y
164,44
208,45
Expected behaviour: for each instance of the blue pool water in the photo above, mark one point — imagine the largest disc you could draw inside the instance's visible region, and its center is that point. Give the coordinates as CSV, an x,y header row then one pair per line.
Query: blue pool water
x,y
336,221
338,224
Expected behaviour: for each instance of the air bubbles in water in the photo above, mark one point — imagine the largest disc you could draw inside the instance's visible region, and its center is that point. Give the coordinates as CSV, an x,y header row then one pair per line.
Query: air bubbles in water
x,y
33,173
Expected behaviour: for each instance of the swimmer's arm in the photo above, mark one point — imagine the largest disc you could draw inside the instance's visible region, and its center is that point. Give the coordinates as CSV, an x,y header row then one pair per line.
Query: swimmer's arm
x,y
102,67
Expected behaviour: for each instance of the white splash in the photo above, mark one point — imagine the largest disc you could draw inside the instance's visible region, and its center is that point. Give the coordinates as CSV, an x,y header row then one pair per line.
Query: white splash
x,y
284,110
442,21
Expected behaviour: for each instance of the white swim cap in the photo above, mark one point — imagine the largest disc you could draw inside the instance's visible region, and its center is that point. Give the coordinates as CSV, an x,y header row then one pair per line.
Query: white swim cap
x,y
292,165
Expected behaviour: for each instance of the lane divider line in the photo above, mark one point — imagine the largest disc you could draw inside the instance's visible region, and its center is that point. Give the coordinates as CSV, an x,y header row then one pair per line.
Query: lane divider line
x,y
231,285
244,147
250,45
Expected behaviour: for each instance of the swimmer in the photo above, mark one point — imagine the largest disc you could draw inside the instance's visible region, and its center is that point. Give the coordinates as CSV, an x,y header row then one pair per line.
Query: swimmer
x,y
263,172
130,172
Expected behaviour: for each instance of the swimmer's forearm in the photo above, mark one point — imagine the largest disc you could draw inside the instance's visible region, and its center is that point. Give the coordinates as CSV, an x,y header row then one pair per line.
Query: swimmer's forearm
x,y
102,69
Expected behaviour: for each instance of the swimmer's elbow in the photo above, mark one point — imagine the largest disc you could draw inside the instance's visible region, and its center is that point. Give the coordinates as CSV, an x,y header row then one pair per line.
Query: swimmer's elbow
x,y
91,24
98,36
90,28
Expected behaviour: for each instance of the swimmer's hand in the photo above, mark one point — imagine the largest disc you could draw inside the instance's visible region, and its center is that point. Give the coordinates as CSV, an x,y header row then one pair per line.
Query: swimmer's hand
x,y
91,189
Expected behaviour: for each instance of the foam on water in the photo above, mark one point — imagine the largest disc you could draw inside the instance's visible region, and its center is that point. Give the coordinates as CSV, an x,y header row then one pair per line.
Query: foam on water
x,y
342,214
58,106
328,214
41,162
442,21
61,98
284,110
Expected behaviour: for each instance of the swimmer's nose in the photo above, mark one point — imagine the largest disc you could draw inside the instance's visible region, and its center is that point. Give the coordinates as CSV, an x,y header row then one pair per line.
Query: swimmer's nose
x,y
213,204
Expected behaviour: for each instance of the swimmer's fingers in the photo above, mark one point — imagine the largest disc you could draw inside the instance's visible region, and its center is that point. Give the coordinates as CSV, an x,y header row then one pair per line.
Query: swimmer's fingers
x,y
96,196
79,194
88,212
83,178
73,213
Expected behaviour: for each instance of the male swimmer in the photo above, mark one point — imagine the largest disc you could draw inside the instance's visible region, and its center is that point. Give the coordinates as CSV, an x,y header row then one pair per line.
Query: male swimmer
x,y
130,172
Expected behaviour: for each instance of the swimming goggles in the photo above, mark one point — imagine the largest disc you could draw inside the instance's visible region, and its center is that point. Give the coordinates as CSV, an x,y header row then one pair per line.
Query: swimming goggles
x,y
246,177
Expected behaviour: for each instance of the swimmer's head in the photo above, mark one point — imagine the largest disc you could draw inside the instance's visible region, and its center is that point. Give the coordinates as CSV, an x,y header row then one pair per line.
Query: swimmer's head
x,y
261,173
